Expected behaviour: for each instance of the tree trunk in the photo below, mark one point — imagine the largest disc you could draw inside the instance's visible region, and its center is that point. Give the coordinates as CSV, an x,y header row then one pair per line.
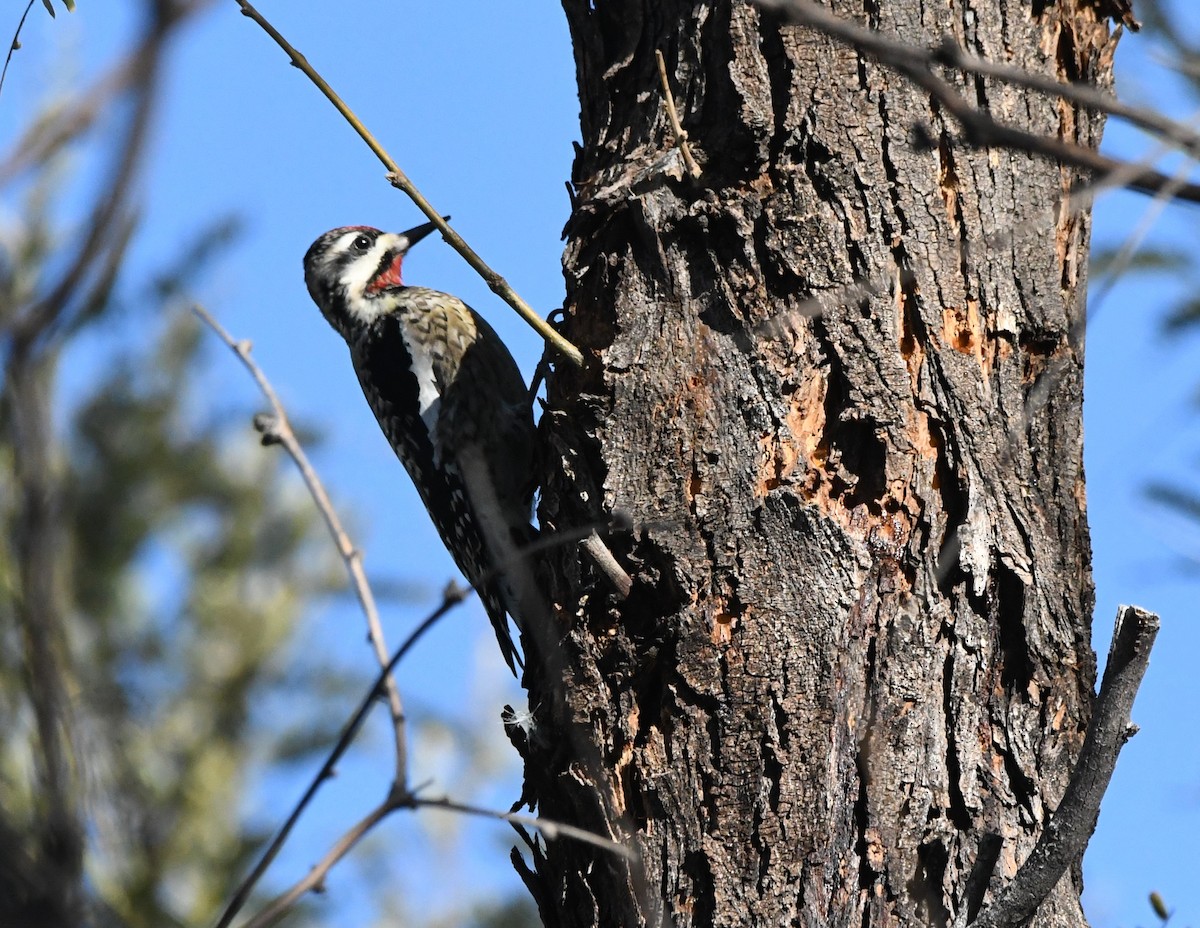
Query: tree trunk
x,y
836,385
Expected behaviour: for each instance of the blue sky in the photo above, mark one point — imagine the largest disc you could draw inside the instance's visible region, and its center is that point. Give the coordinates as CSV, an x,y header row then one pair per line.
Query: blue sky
x,y
476,101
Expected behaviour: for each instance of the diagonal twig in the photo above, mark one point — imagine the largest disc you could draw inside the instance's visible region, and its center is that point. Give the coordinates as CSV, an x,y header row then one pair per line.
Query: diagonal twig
x,y
681,136
315,878
451,597
1179,134
399,793
277,429
15,43
549,827
399,797
979,128
400,180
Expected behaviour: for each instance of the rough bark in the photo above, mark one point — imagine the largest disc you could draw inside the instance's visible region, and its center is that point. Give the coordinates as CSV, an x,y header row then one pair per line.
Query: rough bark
x,y
836,385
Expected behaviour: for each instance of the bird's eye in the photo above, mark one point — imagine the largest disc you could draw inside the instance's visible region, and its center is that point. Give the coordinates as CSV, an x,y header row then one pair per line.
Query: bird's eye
x,y
362,243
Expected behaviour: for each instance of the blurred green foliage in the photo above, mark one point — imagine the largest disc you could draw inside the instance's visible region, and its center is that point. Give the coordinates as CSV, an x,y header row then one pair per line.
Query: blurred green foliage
x,y
1164,22
156,563
166,565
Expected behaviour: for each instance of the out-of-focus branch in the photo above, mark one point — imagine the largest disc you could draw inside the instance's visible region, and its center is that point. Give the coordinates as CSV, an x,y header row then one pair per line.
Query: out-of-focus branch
x,y
451,597
53,869
48,134
57,865
276,429
400,180
979,128
106,229
315,878
1181,135
400,795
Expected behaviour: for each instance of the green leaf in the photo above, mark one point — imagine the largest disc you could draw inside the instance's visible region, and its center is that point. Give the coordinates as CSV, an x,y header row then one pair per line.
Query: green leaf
x,y
70,5
49,8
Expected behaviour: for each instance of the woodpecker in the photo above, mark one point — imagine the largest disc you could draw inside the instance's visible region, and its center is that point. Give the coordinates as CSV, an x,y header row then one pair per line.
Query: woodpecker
x,y
449,398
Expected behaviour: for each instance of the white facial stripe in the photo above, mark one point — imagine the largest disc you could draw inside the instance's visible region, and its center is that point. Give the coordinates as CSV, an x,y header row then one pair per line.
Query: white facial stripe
x,y
356,276
360,272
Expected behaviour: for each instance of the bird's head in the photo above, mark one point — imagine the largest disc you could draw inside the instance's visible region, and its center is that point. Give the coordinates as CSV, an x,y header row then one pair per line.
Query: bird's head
x,y
351,271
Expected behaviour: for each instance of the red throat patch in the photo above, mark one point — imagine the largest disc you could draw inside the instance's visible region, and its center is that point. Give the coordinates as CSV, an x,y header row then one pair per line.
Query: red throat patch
x,y
388,277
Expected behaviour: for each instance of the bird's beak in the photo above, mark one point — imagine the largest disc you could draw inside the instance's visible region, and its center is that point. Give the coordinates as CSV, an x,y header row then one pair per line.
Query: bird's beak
x,y
416,233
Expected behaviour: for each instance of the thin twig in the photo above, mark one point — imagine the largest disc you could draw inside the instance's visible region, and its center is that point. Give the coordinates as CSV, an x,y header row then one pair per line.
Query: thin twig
x,y
548,827
397,178
681,136
277,429
1181,135
451,597
1066,834
398,798
979,128
14,44
592,544
280,905
315,878
604,561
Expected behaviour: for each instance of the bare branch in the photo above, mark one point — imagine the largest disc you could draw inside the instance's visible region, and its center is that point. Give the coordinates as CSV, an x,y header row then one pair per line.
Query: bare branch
x,y
402,796
681,136
979,128
15,43
548,827
1066,834
397,178
1182,136
399,797
109,213
277,429
606,563
451,597
74,117
279,906
315,878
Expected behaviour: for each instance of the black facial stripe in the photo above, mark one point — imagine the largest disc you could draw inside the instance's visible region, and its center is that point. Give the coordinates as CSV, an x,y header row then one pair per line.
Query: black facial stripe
x,y
384,263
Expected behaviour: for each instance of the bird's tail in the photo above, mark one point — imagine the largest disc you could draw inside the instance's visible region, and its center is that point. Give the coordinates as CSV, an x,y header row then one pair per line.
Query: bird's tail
x,y
510,588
